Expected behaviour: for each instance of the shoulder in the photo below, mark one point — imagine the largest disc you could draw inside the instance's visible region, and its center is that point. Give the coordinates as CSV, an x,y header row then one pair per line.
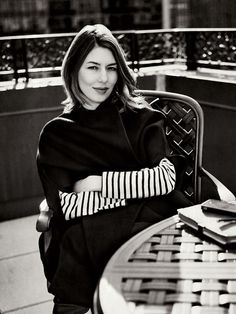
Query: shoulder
x,y
57,128
151,115
143,116
57,123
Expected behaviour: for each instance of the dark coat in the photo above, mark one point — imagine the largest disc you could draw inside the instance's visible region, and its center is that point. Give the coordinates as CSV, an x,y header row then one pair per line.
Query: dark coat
x,y
82,143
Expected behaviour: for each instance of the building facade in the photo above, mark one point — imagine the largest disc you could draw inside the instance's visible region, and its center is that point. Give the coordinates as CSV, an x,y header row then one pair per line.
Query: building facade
x,y
24,16
202,13
72,15
57,16
44,16
217,13
132,14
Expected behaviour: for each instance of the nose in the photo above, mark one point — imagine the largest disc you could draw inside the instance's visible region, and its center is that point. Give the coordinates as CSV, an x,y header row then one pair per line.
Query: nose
x,y
103,76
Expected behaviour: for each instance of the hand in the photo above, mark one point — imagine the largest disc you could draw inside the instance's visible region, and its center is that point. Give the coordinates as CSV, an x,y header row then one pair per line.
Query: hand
x,y
91,183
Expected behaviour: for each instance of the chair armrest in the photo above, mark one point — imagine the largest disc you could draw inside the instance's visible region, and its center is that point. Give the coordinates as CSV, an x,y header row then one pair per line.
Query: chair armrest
x,y
224,193
44,218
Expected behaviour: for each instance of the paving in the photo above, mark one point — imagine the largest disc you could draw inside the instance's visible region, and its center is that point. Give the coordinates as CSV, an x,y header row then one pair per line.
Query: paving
x,y
23,288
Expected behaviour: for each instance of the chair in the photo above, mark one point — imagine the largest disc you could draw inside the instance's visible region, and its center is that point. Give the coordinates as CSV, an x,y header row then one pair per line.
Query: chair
x,y
184,131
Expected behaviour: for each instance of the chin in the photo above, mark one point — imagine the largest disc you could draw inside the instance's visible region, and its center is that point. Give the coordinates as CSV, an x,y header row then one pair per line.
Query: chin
x,y
102,99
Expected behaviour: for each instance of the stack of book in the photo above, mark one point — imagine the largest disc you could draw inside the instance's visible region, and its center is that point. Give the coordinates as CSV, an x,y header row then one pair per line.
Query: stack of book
x,y
213,218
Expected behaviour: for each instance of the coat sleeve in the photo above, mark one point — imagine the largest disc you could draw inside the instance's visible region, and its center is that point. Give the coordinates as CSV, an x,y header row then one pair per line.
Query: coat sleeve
x,y
146,134
55,158
153,146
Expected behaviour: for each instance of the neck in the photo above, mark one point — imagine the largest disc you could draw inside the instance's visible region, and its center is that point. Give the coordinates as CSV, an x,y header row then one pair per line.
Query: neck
x,y
91,106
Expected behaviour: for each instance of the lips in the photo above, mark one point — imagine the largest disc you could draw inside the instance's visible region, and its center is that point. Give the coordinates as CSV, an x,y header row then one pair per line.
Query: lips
x,y
101,90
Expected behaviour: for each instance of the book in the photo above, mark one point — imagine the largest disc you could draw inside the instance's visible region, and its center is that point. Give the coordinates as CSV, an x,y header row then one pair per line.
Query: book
x,y
219,226
219,206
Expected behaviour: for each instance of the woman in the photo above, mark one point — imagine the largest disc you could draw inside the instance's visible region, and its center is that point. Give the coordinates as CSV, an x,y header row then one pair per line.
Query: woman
x,y
104,167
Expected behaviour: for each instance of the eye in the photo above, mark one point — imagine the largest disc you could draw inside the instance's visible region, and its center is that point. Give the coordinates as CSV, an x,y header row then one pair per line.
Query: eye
x,y
93,67
112,68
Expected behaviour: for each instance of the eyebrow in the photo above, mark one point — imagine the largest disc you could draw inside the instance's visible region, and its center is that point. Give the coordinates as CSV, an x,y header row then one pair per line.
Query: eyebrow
x,y
93,62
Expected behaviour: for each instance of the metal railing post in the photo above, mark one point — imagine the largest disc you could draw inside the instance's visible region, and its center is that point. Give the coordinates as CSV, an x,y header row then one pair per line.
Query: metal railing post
x,y
24,58
14,60
191,49
134,51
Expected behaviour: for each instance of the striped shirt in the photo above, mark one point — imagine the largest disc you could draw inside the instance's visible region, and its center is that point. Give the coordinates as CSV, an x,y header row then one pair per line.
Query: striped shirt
x,y
118,187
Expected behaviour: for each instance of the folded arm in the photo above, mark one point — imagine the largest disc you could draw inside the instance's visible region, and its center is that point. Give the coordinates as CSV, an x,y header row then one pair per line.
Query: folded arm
x,y
143,183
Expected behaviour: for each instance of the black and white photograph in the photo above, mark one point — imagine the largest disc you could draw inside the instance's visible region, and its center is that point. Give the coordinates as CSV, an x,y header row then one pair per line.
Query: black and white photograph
x,y
117,156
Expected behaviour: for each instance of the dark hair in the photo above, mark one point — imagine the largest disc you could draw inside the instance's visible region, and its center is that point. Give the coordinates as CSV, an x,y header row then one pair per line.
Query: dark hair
x,y
89,37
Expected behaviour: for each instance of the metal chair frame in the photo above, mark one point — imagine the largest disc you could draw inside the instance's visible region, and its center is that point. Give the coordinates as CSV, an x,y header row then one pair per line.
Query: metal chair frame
x,y
184,132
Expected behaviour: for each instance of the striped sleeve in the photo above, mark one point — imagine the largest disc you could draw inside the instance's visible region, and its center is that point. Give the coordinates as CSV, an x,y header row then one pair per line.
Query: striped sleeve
x,y
86,203
144,183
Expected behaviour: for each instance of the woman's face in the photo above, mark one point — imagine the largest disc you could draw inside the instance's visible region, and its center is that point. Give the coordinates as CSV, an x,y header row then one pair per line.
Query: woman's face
x,y
97,76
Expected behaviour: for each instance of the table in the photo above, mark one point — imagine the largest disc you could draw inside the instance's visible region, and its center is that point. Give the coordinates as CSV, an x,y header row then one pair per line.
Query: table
x,y
169,269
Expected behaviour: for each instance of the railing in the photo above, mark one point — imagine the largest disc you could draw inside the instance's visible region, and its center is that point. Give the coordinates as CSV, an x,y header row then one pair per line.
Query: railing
x,y
41,55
